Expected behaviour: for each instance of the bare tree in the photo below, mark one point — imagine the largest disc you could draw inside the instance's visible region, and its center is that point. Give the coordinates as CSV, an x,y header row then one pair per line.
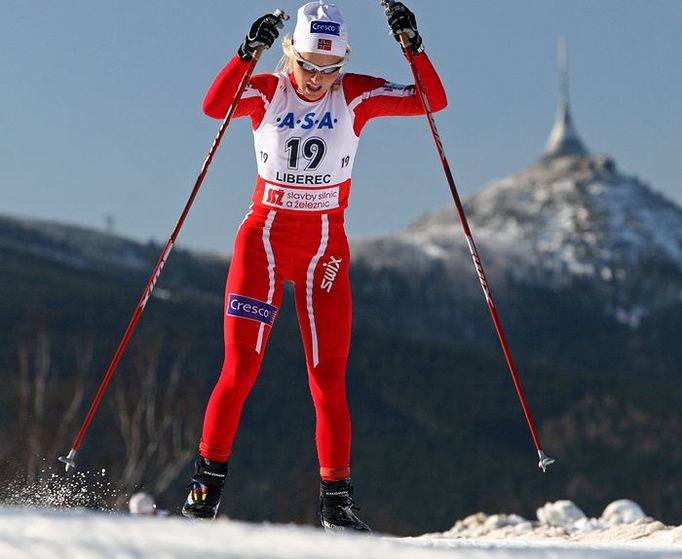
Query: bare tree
x,y
44,409
156,425
152,410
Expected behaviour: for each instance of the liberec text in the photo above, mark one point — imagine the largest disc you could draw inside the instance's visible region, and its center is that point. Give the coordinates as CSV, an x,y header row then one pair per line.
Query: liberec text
x,y
291,178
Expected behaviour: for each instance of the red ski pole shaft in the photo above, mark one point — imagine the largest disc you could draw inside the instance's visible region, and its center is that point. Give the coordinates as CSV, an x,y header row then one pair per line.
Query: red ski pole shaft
x,y
544,459
69,459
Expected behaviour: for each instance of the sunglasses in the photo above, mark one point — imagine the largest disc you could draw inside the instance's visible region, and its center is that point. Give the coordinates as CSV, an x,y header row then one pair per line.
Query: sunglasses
x,y
308,66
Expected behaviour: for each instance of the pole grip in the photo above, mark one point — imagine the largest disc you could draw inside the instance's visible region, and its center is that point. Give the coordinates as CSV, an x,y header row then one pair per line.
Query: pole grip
x,y
403,38
282,16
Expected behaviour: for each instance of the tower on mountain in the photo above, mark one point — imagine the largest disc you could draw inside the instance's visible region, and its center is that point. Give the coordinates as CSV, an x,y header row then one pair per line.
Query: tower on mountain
x,y
564,139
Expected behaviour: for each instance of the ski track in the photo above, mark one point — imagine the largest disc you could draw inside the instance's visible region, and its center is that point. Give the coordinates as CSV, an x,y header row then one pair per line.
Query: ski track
x,y
80,534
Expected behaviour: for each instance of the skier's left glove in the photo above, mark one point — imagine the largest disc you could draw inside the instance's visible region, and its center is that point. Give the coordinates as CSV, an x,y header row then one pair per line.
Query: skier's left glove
x,y
263,33
401,20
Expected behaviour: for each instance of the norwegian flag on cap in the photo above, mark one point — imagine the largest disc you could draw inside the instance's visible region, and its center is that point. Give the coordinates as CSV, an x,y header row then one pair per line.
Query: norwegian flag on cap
x,y
324,44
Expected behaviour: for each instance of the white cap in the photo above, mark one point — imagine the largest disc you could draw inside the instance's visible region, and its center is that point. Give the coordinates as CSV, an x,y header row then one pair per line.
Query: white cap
x,y
321,29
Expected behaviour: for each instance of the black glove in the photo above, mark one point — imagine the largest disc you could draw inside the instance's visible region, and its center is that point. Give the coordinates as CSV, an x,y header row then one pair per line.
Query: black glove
x,y
401,20
263,33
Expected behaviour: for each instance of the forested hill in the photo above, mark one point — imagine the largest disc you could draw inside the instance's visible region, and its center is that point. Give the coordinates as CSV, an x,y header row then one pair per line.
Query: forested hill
x,y
434,410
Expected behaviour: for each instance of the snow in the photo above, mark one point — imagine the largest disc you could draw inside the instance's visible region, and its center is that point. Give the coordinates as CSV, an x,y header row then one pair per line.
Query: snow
x,y
623,523
561,513
563,219
81,247
572,214
580,216
623,511
562,531
71,244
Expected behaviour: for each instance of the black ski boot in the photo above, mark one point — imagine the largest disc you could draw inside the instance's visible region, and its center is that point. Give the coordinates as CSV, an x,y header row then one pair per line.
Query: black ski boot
x,y
336,507
206,489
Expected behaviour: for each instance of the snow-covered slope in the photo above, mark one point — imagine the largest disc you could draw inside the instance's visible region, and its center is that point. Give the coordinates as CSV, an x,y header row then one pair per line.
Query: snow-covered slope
x,y
567,216
89,251
75,246
81,247
36,533
571,217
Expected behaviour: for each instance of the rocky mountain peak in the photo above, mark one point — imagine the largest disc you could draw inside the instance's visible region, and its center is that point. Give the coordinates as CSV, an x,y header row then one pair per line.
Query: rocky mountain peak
x,y
571,216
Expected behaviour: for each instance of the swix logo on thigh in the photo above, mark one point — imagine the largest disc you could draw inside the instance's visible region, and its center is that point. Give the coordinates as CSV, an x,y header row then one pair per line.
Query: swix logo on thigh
x,y
241,306
331,270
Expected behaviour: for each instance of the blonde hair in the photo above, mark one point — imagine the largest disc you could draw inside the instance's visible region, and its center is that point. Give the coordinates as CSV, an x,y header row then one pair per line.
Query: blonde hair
x,y
286,63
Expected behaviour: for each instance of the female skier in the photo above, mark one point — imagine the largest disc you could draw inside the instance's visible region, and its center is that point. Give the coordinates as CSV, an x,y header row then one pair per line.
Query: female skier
x,y
306,122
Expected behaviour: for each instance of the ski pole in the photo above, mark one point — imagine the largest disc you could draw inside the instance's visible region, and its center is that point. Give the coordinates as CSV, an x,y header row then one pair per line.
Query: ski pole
x,y
69,459
404,42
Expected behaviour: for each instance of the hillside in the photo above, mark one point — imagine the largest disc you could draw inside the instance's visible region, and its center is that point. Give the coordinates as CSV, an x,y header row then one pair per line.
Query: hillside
x,y
584,262
430,417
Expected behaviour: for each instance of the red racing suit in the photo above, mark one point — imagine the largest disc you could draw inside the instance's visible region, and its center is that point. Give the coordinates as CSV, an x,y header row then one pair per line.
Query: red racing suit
x,y
294,231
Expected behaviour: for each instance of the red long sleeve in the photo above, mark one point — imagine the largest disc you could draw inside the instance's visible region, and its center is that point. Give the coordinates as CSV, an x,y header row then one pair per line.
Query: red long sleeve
x,y
373,97
368,97
261,88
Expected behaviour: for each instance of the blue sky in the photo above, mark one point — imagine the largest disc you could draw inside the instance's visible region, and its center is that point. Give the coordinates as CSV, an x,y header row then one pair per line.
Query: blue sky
x,y
100,105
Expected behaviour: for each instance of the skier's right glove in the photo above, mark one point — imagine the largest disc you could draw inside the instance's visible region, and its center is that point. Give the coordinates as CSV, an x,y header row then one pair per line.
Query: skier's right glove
x,y
402,21
263,33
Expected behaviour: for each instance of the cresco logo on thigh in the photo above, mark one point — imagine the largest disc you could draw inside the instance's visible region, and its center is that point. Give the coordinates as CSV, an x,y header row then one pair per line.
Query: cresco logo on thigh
x,y
241,306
